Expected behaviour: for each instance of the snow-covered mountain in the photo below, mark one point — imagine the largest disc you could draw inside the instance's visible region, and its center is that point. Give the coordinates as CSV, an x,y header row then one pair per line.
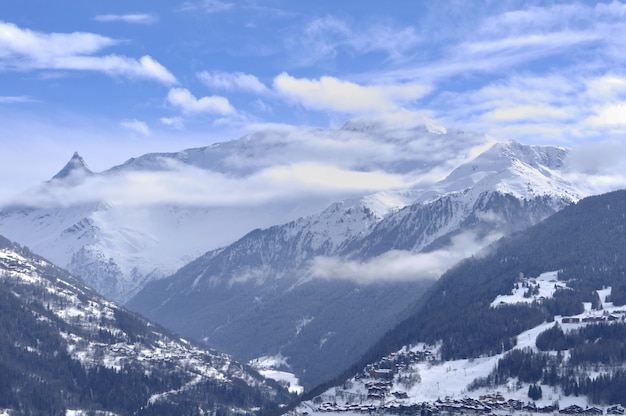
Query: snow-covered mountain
x,y
508,187
144,219
325,286
64,348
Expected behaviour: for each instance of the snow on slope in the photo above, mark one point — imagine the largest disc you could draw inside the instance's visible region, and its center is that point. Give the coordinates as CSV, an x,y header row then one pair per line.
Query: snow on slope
x,y
546,284
512,168
267,367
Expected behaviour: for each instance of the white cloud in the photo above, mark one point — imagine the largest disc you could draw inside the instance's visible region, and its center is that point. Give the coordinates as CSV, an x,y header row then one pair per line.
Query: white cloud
x,y
137,126
115,65
607,87
43,47
384,38
609,115
332,94
183,99
399,265
142,18
598,166
23,49
232,81
530,108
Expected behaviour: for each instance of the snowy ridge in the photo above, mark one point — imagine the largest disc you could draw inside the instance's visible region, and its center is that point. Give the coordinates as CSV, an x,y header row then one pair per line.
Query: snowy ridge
x,y
520,170
506,188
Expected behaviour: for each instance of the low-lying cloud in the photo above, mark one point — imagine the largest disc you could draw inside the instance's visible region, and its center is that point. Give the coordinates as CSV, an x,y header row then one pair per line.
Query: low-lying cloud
x,y
400,265
597,167
188,185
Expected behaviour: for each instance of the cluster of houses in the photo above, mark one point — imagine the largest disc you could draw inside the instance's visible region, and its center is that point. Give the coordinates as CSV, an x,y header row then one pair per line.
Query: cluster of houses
x,y
386,368
617,316
11,264
485,405
378,390
382,398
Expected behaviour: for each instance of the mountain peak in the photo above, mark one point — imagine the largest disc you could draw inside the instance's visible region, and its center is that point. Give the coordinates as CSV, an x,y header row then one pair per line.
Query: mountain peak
x,y
75,165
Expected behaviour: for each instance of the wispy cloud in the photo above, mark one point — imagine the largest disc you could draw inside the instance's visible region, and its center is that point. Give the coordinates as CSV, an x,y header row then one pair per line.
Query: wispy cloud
x,y
208,6
23,49
16,99
325,37
400,265
237,81
141,18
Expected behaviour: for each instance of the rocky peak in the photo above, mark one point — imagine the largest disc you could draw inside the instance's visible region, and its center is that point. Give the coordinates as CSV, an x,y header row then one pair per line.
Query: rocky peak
x,y
75,165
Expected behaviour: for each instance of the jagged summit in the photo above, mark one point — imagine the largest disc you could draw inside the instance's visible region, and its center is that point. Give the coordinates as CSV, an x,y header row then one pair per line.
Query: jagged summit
x,y
75,165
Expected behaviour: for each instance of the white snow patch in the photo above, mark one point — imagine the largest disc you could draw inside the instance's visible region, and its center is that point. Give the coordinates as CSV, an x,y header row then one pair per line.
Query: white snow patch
x,y
546,284
268,367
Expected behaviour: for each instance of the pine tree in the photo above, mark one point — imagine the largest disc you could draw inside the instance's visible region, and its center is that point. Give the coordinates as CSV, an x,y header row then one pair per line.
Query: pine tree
x,y
534,392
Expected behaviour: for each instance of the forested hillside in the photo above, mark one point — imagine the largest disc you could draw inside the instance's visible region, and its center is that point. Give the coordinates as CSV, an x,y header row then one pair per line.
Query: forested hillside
x,y
64,348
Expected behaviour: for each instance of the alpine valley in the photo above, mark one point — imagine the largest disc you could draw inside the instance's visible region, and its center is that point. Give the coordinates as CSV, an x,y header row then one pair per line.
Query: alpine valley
x,y
340,282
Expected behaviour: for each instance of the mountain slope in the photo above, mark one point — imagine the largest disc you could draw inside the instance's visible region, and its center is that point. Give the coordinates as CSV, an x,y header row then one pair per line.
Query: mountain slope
x,y
309,288
540,310
65,348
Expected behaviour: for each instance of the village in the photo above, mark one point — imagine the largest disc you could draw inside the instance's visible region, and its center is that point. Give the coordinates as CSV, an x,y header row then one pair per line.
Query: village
x,y
385,387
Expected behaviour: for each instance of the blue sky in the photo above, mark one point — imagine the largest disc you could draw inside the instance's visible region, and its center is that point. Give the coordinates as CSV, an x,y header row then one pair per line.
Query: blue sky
x,y
115,79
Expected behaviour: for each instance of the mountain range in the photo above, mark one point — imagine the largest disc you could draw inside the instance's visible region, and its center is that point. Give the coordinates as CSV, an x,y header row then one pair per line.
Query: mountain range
x,y
144,219
297,248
